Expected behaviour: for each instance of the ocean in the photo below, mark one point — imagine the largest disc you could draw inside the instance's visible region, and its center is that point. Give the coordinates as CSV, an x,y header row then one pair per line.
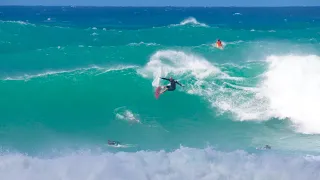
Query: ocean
x,y
72,78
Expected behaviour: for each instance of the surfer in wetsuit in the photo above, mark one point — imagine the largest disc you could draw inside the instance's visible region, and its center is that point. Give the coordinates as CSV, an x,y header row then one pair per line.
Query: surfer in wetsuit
x,y
113,143
172,85
265,147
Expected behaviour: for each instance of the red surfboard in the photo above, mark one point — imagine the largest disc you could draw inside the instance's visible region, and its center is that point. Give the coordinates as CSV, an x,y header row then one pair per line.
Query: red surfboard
x,y
157,93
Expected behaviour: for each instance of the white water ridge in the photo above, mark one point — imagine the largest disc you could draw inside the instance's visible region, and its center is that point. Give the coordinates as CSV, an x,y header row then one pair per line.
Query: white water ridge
x,y
183,163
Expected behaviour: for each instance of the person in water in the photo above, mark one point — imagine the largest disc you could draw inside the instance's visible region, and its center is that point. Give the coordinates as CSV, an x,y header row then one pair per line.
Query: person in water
x,y
172,85
113,143
219,43
265,147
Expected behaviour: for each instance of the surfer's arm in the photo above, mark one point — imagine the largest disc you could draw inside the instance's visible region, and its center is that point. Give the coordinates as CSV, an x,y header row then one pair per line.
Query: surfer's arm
x,y
179,84
166,79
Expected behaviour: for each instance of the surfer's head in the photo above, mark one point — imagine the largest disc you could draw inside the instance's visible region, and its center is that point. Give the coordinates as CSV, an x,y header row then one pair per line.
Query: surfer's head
x,y
171,79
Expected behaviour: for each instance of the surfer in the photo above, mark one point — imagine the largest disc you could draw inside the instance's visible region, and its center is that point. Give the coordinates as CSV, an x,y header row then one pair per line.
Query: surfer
x,y
265,147
113,143
219,43
172,85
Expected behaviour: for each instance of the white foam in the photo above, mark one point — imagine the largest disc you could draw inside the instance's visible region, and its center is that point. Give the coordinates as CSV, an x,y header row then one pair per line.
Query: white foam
x,y
123,113
183,163
237,14
143,43
200,76
18,22
192,21
233,42
204,79
117,68
243,102
289,89
97,71
178,63
292,87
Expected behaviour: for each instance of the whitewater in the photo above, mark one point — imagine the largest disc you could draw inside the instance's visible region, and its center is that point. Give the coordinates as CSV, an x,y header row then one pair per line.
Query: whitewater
x,y
72,78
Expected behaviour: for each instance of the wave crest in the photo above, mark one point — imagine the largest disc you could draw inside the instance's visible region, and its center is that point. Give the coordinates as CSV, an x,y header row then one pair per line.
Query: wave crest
x,y
177,63
292,85
192,21
95,70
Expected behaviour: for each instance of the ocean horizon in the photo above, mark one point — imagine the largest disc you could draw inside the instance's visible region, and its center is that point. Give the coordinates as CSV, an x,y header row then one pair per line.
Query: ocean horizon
x,y
160,6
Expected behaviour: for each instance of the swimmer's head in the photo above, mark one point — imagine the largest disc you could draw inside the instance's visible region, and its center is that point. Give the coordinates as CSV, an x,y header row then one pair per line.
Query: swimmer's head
x,y
267,147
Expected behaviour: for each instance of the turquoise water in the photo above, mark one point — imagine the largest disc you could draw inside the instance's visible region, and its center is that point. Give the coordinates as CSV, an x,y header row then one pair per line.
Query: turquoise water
x,y
72,78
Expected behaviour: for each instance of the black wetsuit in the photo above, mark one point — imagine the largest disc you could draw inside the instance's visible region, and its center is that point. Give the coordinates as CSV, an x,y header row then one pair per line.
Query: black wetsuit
x,y
115,143
172,85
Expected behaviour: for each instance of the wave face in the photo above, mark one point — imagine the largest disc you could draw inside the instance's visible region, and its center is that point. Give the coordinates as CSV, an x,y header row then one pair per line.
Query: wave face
x,y
72,78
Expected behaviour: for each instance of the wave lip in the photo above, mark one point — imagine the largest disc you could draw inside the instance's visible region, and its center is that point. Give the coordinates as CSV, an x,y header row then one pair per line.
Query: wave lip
x,y
292,85
288,89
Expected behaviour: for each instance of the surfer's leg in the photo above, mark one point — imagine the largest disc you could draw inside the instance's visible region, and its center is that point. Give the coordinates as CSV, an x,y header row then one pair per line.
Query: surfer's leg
x,y
170,88
165,88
